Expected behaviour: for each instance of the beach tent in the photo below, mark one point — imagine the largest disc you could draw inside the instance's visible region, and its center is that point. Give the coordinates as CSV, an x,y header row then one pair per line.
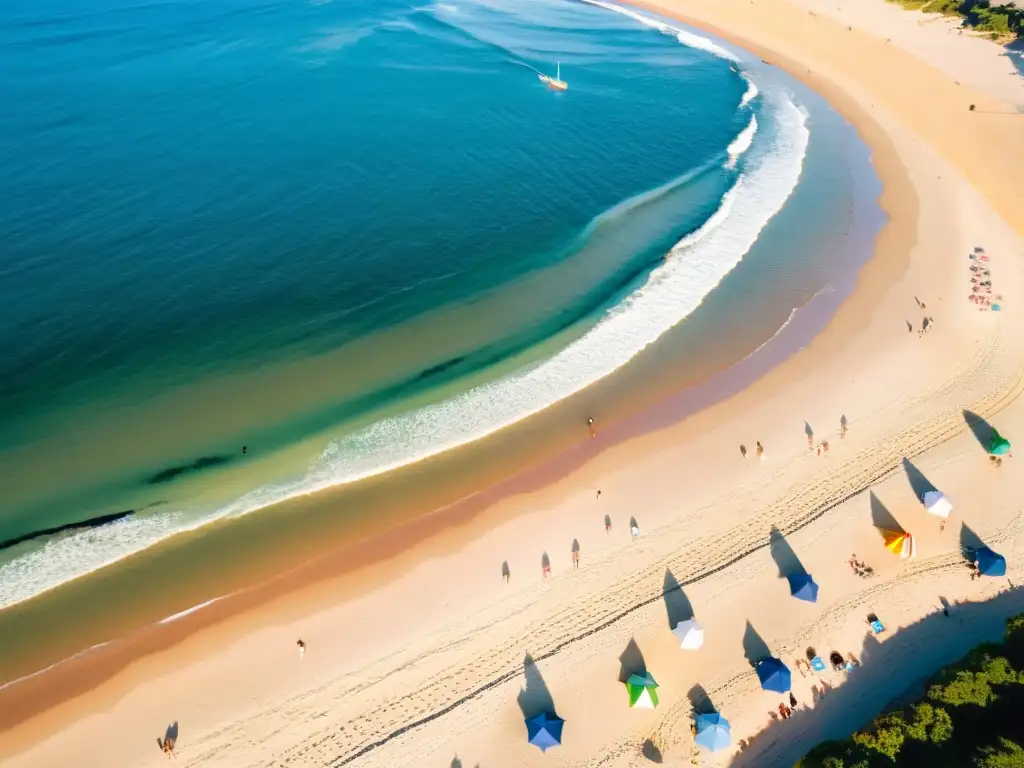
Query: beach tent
x,y
900,543
643,693
773,674
713,732
690,634
935,503
545,730
998,445
989,563
802,587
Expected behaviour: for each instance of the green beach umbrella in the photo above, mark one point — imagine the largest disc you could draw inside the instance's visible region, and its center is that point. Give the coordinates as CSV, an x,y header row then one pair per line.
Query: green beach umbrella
x,y
998,445
642,691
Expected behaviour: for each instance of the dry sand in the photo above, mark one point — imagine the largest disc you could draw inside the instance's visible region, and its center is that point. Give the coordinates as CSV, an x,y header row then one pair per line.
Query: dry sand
x,y
419,659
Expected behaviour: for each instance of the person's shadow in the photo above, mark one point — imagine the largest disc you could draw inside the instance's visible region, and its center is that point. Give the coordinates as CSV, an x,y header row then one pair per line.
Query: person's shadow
x,y
919,484
677,604
980,428
535,698
755,649
170,735
631,661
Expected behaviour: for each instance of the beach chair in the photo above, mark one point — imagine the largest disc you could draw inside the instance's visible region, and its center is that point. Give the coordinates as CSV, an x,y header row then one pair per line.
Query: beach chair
x,y
876,626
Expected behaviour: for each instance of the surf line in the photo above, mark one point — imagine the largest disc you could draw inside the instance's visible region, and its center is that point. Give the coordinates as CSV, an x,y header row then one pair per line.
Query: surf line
x,y
92,522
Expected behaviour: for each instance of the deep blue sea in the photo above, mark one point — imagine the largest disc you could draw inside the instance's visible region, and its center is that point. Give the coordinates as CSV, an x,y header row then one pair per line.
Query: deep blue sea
x,y
343,235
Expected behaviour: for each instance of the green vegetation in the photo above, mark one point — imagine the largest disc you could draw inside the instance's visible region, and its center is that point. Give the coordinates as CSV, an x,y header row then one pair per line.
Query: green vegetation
x,y
1001,22
971,717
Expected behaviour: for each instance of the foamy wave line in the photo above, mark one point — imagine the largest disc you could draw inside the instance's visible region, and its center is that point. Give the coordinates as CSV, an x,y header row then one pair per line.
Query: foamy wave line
x,y
693,268
750,94
187,611
56,664
742,142
687,38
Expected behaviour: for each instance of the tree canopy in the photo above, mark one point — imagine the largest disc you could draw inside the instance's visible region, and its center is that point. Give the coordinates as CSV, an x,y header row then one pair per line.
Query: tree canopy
x,y
1001,21
972,716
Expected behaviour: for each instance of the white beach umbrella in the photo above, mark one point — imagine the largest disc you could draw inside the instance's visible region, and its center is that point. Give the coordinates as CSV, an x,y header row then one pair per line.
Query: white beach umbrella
x,y
935,503
690,634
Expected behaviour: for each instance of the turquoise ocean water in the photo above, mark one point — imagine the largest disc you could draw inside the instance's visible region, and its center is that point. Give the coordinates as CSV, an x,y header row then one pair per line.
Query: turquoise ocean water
x,y
347,236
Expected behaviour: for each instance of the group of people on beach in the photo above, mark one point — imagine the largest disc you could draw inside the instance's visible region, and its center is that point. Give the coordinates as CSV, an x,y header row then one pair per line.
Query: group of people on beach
x,y
759,449
861,569
981,282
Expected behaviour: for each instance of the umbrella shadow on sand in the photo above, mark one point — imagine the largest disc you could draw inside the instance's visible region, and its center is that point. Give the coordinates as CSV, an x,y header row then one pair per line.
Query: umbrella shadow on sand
x,y
755,648
535,698
631,661
919,484
980,428
651,751
677,604
969,541
881,517
700,701
785,558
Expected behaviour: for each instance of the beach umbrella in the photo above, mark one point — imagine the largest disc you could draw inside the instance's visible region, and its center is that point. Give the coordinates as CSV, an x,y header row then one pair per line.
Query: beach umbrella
x,y
713,732
900,543
998,445
690,634
544,730
935,503
773,674
989,563
643,693
802,587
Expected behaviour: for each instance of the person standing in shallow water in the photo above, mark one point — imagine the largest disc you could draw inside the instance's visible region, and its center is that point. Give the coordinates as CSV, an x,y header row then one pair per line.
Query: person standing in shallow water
x,y
590,426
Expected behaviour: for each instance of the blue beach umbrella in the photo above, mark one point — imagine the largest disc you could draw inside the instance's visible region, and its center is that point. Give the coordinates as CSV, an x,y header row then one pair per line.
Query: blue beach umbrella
x,y
802,587
989,563
713,732
773,674
545,730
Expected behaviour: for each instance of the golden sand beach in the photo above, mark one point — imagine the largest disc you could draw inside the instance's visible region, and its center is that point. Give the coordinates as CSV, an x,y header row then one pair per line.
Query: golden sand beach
x,y
431,656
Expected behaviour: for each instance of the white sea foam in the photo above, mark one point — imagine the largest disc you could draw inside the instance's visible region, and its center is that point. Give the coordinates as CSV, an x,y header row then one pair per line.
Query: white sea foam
x,y
750,94
742,142
687,38
672,291
187,611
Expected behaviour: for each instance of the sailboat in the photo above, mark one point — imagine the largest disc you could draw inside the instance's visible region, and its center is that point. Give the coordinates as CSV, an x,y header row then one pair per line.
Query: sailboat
x,y
555,83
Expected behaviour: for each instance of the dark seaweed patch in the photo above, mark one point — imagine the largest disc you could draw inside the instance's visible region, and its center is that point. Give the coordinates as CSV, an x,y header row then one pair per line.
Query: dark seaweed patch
x,y
171,473
92,522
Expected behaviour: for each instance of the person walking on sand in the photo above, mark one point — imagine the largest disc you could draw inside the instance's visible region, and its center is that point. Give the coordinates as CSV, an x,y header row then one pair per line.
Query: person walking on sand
x,y
743,451
302,649
824,446
635,531
575,559
760,449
